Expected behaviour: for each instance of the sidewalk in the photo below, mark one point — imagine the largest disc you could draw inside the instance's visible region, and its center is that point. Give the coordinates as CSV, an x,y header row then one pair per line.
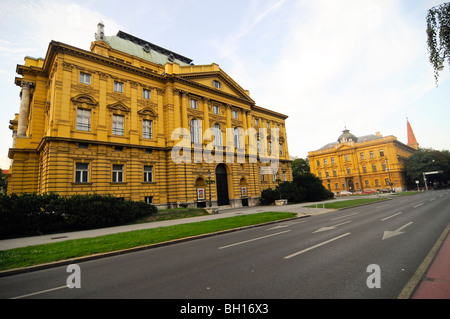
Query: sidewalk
x,y
435,284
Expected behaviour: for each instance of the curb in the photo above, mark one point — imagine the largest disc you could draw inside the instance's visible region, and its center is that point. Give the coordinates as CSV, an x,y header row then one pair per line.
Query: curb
x,y
64,262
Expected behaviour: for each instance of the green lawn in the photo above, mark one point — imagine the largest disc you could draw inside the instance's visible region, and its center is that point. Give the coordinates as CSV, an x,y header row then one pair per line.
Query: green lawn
x,y
40,254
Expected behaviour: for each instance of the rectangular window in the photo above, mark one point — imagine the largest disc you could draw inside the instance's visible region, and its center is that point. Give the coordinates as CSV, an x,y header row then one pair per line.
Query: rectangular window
x,y
215,109
118,86
256,122
362,155
332,160
381,153
325,161
386,181
377,183
117,174
268,124
118,125
281,149
148,173
84,120
346,158
367,183
81,173
85,78
371,154
147,129
194,104
149,199
235,114
146,94
217,135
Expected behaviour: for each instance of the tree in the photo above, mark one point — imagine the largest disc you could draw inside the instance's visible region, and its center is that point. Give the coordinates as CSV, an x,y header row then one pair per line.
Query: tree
x,y
438,32
427,160
304,187
3,183
300,166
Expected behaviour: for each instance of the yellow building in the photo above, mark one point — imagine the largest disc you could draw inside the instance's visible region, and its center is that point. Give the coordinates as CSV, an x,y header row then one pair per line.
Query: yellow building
x,y
361,164
137,121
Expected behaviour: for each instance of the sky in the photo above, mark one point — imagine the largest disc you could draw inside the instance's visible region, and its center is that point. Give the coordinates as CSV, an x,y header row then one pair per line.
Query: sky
x,y
327,64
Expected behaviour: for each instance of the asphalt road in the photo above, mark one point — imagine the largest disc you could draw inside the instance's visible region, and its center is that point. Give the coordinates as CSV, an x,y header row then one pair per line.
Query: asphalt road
x,y
324,256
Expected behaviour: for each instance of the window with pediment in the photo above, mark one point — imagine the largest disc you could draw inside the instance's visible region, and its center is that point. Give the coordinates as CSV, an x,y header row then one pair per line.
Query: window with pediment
x,y
119,113
148,117
83,107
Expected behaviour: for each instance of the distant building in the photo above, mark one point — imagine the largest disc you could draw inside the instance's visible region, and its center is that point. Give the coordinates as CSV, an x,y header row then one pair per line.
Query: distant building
x,y
108,120
363,164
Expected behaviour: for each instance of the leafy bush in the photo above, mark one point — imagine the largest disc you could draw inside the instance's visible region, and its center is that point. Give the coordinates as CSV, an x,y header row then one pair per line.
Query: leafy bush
x,y
268,196
304,188
32,214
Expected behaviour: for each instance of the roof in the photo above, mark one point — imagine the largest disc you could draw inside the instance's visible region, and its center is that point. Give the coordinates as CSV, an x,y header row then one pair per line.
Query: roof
x,y
411,137
145,50
360,139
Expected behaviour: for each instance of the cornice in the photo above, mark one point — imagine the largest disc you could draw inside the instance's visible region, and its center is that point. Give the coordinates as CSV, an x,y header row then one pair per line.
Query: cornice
x,y
181,80
57,47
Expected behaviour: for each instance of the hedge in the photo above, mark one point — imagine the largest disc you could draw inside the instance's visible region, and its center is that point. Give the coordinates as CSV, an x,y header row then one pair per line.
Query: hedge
x,y
32,214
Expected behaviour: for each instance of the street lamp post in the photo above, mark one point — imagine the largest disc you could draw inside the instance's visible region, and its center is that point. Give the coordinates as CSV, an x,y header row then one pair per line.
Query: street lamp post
x,y
389,173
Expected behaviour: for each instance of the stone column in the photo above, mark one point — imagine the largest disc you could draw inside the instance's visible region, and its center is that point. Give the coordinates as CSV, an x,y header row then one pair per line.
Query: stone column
x,y
24,109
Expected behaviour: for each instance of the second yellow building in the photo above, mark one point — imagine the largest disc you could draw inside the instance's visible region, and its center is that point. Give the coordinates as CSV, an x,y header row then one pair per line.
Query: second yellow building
x,y
361,164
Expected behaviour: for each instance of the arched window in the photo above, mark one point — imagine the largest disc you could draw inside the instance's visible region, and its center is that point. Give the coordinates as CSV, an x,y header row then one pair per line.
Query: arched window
x,y
195,131
217,135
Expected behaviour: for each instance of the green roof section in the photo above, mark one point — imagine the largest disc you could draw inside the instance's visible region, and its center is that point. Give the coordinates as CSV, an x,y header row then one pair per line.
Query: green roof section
x,y
145,50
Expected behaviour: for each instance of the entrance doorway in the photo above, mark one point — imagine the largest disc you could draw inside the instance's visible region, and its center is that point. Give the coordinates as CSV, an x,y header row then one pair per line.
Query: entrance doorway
x,y
222,185
351,186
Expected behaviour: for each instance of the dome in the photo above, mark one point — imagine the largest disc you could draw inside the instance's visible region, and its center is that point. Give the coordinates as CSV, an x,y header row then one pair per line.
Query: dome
x,y
346,136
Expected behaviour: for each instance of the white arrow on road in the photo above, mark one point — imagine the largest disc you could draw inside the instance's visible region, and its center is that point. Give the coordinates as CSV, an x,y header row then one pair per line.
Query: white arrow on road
x,y
389,233
330,227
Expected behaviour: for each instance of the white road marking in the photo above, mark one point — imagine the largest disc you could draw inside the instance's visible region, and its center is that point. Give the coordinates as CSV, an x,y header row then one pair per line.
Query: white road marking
x,y
315,246
39,292
391,216
389,233
250,240
418,205
286,225
331,227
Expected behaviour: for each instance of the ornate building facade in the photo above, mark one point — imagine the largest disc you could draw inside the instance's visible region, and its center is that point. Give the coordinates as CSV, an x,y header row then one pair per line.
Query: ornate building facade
x,y
362,164
140,122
